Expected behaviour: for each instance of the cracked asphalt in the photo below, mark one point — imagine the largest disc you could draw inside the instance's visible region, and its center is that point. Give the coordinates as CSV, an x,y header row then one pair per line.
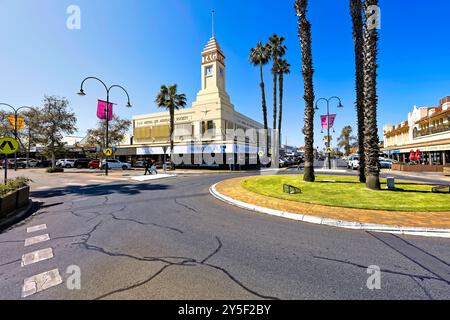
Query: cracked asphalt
x,y
170,239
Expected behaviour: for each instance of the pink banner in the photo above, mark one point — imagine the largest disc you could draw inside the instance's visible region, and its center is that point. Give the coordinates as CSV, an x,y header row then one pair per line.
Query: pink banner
x,y
101,110
324,120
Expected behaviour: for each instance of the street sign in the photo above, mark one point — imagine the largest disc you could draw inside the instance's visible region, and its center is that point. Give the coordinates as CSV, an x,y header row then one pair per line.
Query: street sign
x,y
8,145
108,152
20,122
329,150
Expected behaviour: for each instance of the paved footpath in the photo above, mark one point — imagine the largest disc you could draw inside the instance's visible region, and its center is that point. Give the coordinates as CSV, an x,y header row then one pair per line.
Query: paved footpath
x,y
170,239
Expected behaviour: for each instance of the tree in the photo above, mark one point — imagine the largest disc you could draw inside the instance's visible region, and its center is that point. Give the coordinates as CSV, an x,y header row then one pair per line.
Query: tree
x,y
29,131
356,11
278,50
118,128
168,98
260,56
371,139
346,140
283,68
55,120
304,33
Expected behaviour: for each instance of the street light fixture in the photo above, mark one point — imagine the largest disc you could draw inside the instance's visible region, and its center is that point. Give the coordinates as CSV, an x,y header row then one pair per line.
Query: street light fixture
x,y
16,134
108,90
340,106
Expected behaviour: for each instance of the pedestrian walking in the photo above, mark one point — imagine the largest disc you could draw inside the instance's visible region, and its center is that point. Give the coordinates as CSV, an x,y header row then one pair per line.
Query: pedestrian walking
x,y
147,167
153,168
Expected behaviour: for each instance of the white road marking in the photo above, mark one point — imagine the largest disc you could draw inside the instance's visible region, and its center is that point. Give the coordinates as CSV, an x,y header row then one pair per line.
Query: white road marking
x,y
36,256
41,282
36,240
97,181
76,184
37,228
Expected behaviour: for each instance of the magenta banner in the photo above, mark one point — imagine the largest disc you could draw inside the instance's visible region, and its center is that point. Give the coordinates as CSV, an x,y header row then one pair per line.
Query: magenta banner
x,y
324,120
101,110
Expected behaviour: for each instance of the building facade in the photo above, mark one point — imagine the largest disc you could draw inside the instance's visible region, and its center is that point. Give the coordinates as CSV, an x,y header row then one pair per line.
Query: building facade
x,y
205,127
427,130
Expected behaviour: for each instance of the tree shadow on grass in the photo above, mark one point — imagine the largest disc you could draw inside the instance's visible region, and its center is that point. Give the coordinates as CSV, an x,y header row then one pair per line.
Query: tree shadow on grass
x,y
99,190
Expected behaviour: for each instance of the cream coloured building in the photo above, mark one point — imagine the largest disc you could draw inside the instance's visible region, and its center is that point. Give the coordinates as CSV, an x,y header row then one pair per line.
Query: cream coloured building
x,y
202,127
427,130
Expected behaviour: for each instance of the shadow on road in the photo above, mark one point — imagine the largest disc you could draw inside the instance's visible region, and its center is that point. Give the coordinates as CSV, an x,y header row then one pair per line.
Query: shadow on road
x,y
98,190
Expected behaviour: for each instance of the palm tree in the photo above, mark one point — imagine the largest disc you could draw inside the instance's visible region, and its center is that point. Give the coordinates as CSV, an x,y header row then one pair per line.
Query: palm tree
x,y
283,68
356,11
168,98
346,140
304,32
278,50
371,139
260,56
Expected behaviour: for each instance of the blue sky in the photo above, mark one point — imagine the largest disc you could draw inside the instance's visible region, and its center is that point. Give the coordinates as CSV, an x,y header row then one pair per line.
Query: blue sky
x,y
142,44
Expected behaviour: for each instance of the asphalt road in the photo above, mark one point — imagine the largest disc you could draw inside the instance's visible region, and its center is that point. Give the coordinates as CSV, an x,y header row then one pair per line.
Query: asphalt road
x,y
171,239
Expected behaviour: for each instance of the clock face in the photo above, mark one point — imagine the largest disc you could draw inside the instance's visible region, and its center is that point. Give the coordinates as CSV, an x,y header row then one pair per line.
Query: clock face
x,y
209,71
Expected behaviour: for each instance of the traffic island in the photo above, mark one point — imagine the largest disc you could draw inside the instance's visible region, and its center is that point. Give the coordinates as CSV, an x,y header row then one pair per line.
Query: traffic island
x,y
343,202
14,201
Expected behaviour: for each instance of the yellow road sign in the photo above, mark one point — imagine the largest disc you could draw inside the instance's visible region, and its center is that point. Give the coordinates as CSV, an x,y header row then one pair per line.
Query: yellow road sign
x,y
329,150
20,122
108,152
8,145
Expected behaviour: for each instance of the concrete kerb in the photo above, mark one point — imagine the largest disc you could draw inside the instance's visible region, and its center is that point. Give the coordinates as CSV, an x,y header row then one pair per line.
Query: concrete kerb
x,y
17,216
424,232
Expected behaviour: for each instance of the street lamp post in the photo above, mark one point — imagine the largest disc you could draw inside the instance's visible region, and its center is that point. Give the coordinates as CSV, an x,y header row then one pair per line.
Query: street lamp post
x,y
108,90
328,123
16,134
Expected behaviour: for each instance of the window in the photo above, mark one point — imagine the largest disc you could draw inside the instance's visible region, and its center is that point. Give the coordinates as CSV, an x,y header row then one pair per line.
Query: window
x,y
221,72
209,71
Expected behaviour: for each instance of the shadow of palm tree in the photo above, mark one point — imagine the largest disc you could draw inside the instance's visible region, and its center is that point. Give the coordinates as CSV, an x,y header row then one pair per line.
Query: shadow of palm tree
x,y
99,190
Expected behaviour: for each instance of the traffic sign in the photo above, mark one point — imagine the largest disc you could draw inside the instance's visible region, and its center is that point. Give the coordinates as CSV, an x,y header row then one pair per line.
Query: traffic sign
x,y
8,145
329,150
108,152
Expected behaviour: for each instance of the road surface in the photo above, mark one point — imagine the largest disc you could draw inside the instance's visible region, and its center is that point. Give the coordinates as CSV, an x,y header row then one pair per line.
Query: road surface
x,y
171,239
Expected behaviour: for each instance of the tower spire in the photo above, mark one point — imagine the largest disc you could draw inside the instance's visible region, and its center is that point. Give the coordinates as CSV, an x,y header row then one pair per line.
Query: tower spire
x,y
213,13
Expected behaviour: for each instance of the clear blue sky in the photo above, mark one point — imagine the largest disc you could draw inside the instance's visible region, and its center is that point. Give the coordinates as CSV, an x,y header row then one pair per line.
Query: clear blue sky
x,y
143,44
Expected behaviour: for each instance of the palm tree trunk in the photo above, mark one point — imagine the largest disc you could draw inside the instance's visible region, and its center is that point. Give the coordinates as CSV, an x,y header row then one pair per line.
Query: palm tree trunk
x,y
274,98
358,37
263,92
280,112
304,32
371,140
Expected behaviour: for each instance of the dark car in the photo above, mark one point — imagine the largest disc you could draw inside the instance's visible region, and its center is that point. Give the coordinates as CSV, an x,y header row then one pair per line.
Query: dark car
x,y
82,163
44,164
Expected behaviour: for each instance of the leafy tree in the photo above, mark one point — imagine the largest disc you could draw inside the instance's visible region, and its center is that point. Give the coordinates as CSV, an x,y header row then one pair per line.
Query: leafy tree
x,y
346,141
55,119
260,56
304,32
118,128
29,132
169,99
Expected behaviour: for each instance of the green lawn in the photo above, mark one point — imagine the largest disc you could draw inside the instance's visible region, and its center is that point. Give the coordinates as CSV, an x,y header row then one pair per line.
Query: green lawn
x,y
348,192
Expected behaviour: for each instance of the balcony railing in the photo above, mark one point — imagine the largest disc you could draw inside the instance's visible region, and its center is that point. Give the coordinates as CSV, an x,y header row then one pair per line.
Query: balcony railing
x,y
431,131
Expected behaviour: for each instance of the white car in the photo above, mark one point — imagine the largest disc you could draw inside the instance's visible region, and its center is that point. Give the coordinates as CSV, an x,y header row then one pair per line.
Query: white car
x,y
116,164
353,162
65,163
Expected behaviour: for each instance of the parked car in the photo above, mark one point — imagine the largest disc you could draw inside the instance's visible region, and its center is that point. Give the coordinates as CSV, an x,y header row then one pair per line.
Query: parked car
x,y
115,164
82,163
353,162
140,164
44,164
94,164
65,163
11,162
386,163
